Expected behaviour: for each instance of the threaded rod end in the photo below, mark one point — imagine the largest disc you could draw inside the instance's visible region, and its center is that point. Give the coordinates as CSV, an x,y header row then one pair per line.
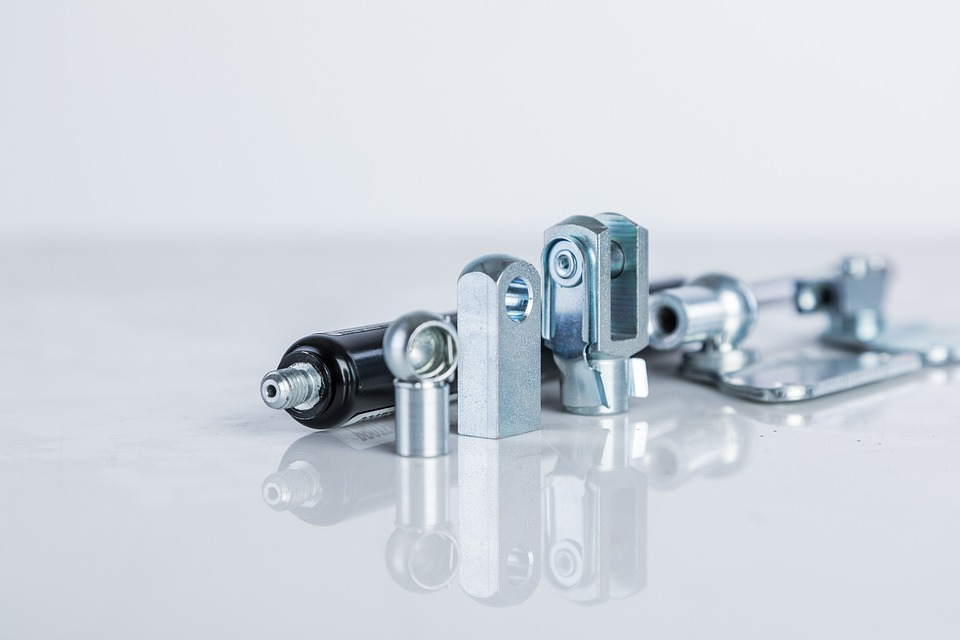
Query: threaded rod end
x,y
298,386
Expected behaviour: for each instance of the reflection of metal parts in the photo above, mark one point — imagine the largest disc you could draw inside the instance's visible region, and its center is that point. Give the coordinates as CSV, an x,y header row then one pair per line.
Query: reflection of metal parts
x,y
326,478
595,310
714,444
498,320
420,349
499,495
595,509
423,554
812,375
715,310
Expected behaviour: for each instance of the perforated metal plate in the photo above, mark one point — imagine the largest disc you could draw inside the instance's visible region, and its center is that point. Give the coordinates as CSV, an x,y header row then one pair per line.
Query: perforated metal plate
x,y
816,374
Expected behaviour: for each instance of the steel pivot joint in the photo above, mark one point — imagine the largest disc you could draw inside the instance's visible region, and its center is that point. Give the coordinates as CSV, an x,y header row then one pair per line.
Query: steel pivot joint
x,y
853,298
420,349
595,291
716,311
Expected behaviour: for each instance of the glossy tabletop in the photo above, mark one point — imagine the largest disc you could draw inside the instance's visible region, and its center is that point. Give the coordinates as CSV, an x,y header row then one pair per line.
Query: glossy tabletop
x,y
150,494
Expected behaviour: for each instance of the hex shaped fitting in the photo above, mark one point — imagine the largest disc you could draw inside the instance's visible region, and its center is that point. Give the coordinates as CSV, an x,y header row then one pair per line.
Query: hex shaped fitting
x,y
499,308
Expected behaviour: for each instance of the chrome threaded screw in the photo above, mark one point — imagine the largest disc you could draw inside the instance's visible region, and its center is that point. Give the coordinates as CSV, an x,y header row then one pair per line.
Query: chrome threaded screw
x,y
299,386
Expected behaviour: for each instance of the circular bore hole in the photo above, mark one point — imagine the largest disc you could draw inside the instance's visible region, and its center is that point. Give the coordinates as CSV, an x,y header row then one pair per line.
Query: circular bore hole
x,y
272,494
270,390
517,300
667,321
431,352
564,564
519,566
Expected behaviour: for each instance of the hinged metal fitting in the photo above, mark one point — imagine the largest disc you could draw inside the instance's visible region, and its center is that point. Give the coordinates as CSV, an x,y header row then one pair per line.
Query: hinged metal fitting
x,y
595,317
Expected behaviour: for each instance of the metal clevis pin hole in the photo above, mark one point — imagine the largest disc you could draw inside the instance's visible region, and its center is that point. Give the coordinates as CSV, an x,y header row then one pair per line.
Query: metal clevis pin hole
x,y
518,300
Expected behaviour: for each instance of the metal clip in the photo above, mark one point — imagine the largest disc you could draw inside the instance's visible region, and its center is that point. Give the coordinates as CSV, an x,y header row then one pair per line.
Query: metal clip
x,y
498,320
595,314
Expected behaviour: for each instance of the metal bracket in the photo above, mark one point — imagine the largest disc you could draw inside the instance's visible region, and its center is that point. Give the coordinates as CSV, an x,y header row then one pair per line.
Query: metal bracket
x,y
498,319
813,375
853,298
595,313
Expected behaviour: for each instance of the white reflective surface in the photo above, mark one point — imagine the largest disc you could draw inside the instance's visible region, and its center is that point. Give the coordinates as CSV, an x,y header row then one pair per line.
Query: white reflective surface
x,y
141,497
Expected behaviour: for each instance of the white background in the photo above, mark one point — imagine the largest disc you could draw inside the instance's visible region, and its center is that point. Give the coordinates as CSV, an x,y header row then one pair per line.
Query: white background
x,y
771,120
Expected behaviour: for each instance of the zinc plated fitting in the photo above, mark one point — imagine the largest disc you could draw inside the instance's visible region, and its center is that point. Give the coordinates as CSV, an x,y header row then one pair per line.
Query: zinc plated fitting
x,y
498,321
595,294
852,297
717,311
420,349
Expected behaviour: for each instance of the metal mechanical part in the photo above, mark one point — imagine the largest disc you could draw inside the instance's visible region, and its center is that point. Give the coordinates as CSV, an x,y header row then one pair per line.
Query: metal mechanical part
x,y
328,380
420,349
853,298
936,346
717,311
499,314
813,375
595,314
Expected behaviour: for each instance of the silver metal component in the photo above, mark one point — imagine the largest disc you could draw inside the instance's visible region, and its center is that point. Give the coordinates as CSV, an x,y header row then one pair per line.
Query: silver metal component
x,y
595,310
935,346
298,386
812,375
716,311
853,298
498,321
420,349
499,501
